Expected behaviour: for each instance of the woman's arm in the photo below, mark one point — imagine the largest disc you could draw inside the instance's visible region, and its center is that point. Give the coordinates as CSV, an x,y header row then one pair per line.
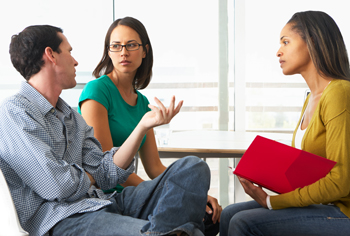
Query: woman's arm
x,y
150,157
96,115
154,167
150,160
157,116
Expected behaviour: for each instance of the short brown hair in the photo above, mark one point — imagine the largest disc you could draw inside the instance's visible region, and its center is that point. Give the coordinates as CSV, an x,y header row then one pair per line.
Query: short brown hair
x,y
27,48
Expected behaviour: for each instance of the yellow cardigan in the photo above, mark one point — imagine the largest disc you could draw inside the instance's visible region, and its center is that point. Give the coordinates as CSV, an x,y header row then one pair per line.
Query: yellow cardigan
x,y
327,135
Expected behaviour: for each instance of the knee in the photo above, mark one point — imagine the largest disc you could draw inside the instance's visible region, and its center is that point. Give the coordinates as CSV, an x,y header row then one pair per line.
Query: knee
x,y
195,167
235,223
196,164
225,215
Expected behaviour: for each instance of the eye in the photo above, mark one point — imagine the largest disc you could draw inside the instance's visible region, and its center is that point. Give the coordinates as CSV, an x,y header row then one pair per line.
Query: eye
x,y
115,46
132,45
285,42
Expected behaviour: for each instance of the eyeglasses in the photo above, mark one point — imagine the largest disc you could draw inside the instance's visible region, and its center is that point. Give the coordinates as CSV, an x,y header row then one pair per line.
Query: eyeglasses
x,y
114,47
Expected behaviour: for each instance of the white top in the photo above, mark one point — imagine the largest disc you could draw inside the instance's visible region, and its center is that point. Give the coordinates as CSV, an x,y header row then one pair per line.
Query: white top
x,y
299,134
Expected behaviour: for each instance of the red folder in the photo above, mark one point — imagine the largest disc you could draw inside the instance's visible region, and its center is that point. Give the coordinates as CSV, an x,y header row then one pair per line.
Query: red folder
x,y
279,167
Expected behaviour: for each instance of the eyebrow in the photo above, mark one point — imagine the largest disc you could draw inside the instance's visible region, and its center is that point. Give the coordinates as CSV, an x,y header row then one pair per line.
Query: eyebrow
x,y
127,42
282,37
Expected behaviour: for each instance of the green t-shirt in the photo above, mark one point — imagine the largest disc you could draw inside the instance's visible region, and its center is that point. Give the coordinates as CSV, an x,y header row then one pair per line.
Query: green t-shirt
x,y
122,117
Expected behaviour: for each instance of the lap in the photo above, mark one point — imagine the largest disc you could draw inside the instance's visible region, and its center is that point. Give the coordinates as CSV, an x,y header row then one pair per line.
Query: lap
x,y
98,223
311,220
152,206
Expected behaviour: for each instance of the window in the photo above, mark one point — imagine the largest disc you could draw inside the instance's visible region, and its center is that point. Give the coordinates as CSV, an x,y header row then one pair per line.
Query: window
x,y
83,22
219,56
273,101
189,49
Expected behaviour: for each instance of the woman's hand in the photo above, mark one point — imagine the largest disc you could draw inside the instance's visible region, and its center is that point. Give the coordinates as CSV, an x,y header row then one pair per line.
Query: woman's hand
x,y
255,192
217,209
157,116
160,115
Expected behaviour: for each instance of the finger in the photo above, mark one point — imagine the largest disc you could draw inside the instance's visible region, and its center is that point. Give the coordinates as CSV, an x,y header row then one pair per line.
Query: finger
x,y
217,212
161,107
245,186
208,210
220,213
170,110
159,103
216,207
172,103
153,108
178,107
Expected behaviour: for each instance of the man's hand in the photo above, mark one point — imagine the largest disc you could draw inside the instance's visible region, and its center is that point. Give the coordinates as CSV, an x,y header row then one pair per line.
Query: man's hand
x,y
255,192
92,180
217,209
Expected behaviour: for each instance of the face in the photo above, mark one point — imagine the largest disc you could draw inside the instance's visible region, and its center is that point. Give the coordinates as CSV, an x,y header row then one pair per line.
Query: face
x,y
65,64
293,53
125,61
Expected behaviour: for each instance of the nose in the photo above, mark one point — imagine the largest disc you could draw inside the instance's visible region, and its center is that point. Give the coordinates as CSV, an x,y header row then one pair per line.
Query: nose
x,y
124,52
75,62
279,53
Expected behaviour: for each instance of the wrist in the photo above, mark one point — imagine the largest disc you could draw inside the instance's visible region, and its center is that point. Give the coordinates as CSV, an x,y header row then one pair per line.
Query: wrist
x,y
268,203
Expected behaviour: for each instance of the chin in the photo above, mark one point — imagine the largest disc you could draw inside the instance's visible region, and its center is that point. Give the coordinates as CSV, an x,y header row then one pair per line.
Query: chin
x,y
286,72
72,85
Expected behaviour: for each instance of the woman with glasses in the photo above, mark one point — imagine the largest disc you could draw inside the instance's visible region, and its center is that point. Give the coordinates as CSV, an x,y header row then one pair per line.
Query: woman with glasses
x,y
311,45
112,103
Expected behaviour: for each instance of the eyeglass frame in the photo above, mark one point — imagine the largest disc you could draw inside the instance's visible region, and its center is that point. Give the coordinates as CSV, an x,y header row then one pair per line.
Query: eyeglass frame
x,y
109,47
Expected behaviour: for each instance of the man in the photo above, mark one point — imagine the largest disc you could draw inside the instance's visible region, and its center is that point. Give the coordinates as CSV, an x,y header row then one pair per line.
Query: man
x,y
55,168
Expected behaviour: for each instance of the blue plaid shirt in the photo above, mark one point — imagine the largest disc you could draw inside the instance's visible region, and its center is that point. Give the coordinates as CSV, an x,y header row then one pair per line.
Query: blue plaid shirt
x,y
45,152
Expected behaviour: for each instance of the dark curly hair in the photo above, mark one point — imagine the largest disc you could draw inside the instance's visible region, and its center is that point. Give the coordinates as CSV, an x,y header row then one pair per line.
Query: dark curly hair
x,y
27,48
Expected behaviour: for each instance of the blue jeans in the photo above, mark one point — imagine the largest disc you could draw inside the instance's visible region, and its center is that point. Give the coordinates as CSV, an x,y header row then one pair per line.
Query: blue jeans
x,y
249,218
174,201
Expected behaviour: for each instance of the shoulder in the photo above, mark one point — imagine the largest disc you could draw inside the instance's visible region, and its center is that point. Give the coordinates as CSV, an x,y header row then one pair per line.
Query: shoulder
x,y
18,113
97,84
338,93
336,98
142,101
98,90
18,104
142,98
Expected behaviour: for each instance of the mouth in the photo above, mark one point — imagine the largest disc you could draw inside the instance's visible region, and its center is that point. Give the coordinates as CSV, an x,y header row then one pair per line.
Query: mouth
x,y
125,62
281,62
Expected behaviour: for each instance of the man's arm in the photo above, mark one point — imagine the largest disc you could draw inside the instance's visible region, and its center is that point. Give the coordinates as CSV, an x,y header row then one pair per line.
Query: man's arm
x,y
117,164
157,116
25,147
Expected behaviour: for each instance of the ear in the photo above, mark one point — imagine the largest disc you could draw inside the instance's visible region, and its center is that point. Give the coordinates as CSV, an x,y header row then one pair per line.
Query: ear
x,y
144,52
49,54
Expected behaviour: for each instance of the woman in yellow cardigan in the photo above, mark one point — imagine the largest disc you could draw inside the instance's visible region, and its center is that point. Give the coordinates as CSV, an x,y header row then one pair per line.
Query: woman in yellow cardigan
x,y
311,45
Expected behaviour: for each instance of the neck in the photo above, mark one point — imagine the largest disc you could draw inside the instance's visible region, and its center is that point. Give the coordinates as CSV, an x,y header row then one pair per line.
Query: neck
x,y
123,81
43,84
316,83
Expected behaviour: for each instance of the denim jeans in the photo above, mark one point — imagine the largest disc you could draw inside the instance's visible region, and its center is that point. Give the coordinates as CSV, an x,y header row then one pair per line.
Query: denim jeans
x,y
249,218
174,201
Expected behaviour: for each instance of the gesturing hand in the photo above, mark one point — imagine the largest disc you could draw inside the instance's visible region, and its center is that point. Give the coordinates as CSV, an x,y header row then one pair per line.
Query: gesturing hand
x,y
160,115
